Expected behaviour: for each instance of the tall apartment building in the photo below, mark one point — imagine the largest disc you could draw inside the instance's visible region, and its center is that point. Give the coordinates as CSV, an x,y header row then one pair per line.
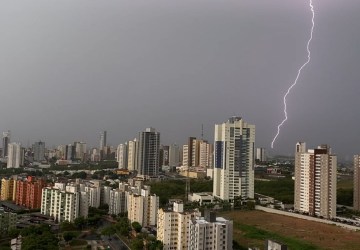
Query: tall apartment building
x,y
142,206
210,232
70,152
315,181
132,157
122,156
173,226
118,202
64,205
28,192
39,151
234,159
103,138
93,193
174,155
15,155
357,182
7,221
8,189
80,151
148,154
260,154
197,153
5,143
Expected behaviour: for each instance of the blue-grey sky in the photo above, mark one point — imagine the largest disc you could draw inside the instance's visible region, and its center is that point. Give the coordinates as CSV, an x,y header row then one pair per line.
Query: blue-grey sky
x,y
71,68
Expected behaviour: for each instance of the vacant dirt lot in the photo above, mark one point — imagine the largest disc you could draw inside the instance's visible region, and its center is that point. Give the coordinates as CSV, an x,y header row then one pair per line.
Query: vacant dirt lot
x,y
321,235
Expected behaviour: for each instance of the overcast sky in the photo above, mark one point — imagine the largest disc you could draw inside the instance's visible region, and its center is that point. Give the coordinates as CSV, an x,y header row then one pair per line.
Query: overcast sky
x,y
71,68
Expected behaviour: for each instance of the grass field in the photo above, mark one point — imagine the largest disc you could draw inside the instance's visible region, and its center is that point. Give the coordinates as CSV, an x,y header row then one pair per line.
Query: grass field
x,y
251,228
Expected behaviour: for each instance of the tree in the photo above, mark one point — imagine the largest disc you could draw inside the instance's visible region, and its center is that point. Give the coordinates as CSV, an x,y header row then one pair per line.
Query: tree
x,y
250,205
137,244
68,236
136,226
109,230
122,226
80,222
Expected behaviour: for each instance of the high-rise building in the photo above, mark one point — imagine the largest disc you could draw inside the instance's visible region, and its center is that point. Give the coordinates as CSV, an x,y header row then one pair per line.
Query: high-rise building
x,y
39,151
5,143
64,205
174,155
260,154
80,151
118,199
28,192
234,159
102,140
188,152
197,153
148,154
132,158
7,221
210,232
122,156
357,182
315,181
70,152
173,226
15,155
8,189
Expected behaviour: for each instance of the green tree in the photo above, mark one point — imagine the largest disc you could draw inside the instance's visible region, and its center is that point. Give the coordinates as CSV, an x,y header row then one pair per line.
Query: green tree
x,y
109,230
137,244
68,236
80,222
136,226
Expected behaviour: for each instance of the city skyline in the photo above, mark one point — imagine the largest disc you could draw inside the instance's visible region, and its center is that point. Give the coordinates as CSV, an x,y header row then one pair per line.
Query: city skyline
x,y
176,67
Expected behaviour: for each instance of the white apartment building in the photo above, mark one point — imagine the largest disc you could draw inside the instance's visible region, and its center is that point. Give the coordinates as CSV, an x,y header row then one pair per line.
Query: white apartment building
x,y
210,232
93,195
132,155
15,155
142,206
315,181
118,202
173,226
64,205
122,155
234,158
105,194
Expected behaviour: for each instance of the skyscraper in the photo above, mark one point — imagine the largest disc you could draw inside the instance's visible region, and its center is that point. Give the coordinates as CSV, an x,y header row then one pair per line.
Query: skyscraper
x,y
6,141
80,150
234,159
102,140
122,156
357,182
174,155
148,156
39,151
315,181
15,155
132,156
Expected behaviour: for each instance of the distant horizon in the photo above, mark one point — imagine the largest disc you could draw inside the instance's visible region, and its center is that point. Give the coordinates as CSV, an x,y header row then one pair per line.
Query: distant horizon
x,y
69,68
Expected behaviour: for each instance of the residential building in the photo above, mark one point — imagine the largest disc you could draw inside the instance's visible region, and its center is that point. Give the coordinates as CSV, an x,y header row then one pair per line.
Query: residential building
x,y
80,151
210,232
8,189
28,192
132,157
94,193
260,154
142,206
148,154
173,226
117,203
7,221
174,155
234,160
39,151
5,143
64,205
315,181
15,155
356,182
122,156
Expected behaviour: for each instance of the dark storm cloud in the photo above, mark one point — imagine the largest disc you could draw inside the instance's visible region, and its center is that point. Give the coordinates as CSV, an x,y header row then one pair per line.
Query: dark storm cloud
x,y
69,69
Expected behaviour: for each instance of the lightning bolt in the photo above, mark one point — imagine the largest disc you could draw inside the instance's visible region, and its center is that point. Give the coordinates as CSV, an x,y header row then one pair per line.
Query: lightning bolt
x,y
298,74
